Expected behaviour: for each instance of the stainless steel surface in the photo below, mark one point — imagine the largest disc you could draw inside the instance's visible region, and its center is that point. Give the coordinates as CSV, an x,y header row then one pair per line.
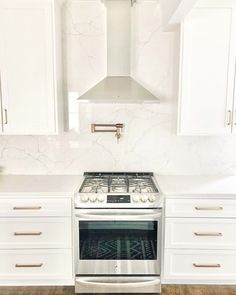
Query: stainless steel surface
x,y
119,201
139,187
208,234
209,208
114,214
119,90
119,284
27,233
29,265
118,267
27,208
206,265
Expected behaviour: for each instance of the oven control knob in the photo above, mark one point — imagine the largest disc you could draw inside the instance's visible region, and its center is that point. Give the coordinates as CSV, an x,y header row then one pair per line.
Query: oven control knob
x,y
152,199
135,199
101,199
84,199
93,199
144,199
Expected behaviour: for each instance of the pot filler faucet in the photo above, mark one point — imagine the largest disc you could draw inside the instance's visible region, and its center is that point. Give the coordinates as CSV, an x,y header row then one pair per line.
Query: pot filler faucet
x,y
116,128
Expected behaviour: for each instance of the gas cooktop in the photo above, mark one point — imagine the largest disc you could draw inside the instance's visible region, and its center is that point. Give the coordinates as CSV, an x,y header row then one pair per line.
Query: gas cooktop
x,y
118,183
117,189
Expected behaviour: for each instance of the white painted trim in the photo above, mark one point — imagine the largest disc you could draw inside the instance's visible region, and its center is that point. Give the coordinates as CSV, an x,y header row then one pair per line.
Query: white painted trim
x,y
176,12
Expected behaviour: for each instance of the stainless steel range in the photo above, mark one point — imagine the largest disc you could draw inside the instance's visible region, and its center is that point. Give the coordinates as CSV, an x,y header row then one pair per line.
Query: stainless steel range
x,y
118,233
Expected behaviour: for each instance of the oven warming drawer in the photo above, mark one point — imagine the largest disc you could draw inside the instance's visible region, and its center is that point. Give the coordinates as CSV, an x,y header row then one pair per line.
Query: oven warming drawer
x,y
134,284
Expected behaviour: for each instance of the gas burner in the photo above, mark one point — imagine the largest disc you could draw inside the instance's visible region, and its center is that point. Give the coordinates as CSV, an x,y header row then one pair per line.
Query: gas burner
x,y
141,185
95,185
118,183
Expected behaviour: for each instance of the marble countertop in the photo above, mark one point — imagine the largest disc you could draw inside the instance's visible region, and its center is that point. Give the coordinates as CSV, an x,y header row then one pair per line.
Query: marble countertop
x,y
66,185
187,186
39,185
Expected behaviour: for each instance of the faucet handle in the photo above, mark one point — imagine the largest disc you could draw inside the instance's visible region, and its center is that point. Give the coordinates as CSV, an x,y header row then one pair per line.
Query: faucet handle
x,y
118,135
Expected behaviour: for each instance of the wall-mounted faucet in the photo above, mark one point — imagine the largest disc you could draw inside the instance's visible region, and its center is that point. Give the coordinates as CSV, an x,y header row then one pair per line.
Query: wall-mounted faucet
x,y
116,128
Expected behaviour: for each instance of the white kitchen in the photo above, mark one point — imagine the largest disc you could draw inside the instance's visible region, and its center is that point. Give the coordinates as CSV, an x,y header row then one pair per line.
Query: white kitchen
x,y
117,147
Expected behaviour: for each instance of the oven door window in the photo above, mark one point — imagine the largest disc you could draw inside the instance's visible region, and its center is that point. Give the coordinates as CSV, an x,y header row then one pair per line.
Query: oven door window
x,y
118,240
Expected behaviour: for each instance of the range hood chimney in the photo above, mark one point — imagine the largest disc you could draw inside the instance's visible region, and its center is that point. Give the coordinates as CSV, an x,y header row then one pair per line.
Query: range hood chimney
x,y
119,86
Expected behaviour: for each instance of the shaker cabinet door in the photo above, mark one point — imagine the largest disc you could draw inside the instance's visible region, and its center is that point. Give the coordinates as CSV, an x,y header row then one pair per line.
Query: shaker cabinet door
x,y
27,67
207,69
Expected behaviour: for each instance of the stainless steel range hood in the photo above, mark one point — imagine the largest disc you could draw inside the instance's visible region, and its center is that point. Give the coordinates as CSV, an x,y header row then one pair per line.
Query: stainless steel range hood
x,y
118,86
118,89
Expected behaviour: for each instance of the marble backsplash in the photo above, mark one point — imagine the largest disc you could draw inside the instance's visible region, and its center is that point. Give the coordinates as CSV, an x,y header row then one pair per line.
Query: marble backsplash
x,y
149,141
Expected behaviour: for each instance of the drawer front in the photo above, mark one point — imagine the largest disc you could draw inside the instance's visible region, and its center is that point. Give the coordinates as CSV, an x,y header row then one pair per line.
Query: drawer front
x,y
35,264
35,207
200,233
201,265
35,233
200,208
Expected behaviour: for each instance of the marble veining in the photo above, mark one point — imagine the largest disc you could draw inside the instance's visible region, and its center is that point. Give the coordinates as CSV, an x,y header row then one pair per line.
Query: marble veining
x,y
149,141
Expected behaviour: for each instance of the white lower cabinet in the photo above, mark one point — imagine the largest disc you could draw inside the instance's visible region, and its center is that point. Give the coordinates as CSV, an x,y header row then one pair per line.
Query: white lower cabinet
x,y
200,265
200,241
35,233
36,241
35,264
201,233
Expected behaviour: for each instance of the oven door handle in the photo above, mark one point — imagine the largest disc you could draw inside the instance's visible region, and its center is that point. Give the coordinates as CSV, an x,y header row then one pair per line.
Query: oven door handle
x,y
117,283
121,216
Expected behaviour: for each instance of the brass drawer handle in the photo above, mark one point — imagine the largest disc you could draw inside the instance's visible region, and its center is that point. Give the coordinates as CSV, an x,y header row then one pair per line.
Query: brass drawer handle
x,y
29,265
209,208
27,233
27,208
208,234
6,117
206,265
229,120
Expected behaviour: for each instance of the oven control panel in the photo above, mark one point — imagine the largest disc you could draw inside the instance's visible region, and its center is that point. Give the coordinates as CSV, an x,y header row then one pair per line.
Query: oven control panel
x,y
118,199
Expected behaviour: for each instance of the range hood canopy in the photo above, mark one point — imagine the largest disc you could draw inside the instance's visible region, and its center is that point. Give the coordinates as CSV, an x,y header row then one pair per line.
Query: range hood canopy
x,y
118,86
118,89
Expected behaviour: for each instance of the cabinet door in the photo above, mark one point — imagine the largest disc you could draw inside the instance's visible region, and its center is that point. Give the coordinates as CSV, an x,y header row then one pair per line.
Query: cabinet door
x,y
27,66
207,69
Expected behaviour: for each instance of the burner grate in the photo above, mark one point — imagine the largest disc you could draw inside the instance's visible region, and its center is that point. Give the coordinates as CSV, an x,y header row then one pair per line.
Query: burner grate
x,y
118,183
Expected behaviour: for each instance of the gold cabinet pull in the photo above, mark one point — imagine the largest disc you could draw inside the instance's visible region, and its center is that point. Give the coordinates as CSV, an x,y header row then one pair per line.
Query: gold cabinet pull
x,y
29,265
208,234
209,208
206,265
27,233
6,117
27,208
229,120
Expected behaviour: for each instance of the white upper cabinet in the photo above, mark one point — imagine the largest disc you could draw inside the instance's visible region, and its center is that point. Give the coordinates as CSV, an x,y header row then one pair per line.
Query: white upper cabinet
x,y
207,69
29,92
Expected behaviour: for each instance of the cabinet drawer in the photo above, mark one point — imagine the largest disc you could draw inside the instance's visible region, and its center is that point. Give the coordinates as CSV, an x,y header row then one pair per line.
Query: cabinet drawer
x,y
200,208
201,265
35,264
200,233
35,233
35,207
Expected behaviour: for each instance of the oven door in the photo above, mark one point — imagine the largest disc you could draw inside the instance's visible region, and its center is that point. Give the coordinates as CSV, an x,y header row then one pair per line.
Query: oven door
x,y
118,241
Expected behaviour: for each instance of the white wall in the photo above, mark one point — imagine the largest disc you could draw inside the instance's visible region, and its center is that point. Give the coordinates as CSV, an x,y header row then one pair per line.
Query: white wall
x,y
168,7
149,142
174,11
